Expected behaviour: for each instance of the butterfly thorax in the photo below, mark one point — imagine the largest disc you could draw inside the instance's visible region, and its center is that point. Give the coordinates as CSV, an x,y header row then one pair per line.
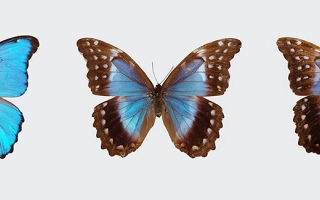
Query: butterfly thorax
x,y
158,99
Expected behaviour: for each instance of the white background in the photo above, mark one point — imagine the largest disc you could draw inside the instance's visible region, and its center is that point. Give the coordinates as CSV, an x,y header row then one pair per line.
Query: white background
x,y
58,155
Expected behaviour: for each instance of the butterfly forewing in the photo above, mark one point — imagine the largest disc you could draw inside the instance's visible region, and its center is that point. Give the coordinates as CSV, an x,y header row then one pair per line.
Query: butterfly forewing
x,y
303,61
14,60
204,72
111,72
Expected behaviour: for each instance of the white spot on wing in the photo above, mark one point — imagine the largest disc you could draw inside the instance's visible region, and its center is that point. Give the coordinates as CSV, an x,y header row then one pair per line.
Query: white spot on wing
x,y
120,147
204,141
96,42
103,122
209,131
195,148
211,57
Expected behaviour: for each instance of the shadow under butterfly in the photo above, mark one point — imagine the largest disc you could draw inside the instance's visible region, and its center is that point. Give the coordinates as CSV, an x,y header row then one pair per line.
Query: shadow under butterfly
x,y
193,122
14,59
304,61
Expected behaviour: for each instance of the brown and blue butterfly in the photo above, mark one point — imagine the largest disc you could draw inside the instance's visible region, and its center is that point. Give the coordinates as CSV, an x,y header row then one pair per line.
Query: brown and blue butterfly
x,y
193,122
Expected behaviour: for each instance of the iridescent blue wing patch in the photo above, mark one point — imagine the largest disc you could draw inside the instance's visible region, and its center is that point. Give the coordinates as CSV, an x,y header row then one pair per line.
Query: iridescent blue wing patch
x,y
192,121
304,64
14,60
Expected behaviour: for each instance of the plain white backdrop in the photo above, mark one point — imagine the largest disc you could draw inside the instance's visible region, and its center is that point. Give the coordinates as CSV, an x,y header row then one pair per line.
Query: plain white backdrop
x,y
58,155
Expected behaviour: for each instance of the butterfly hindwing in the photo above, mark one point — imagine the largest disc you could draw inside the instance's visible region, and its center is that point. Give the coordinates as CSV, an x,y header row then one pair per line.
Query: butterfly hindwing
x,y
193,123
307,119
10,125
123,122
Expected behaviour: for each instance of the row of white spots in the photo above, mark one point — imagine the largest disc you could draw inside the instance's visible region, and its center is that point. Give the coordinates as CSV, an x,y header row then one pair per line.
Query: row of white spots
x,y
306,66
209,130
298,42
103,77
196,148
210,66
103,57
299,58
304,78
213,57
221,43
303,117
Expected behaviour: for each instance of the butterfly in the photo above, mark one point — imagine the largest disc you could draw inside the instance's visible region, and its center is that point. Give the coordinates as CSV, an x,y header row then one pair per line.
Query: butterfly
x,y
14,60
193,122
304,64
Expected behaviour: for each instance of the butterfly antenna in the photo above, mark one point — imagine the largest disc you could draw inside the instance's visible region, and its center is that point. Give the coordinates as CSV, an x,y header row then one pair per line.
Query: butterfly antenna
x,y
167,74
154,75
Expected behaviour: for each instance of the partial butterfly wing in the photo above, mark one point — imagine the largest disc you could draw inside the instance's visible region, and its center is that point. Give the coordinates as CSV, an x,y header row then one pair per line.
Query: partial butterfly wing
x,y
10,125
307,119
14,58
304,61
192,121
122,122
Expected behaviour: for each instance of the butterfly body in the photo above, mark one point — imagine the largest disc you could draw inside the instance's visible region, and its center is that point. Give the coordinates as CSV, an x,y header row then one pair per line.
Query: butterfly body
x,y
14,60
304,64
192,121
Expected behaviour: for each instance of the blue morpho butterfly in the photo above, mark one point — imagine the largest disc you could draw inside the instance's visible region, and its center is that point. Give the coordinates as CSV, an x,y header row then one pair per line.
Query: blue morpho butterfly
x,y
304,65
193,122
14,57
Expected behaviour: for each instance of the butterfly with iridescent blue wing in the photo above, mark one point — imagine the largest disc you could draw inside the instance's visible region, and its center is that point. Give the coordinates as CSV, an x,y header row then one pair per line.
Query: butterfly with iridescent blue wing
x,y
14,60
304,64
193,122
